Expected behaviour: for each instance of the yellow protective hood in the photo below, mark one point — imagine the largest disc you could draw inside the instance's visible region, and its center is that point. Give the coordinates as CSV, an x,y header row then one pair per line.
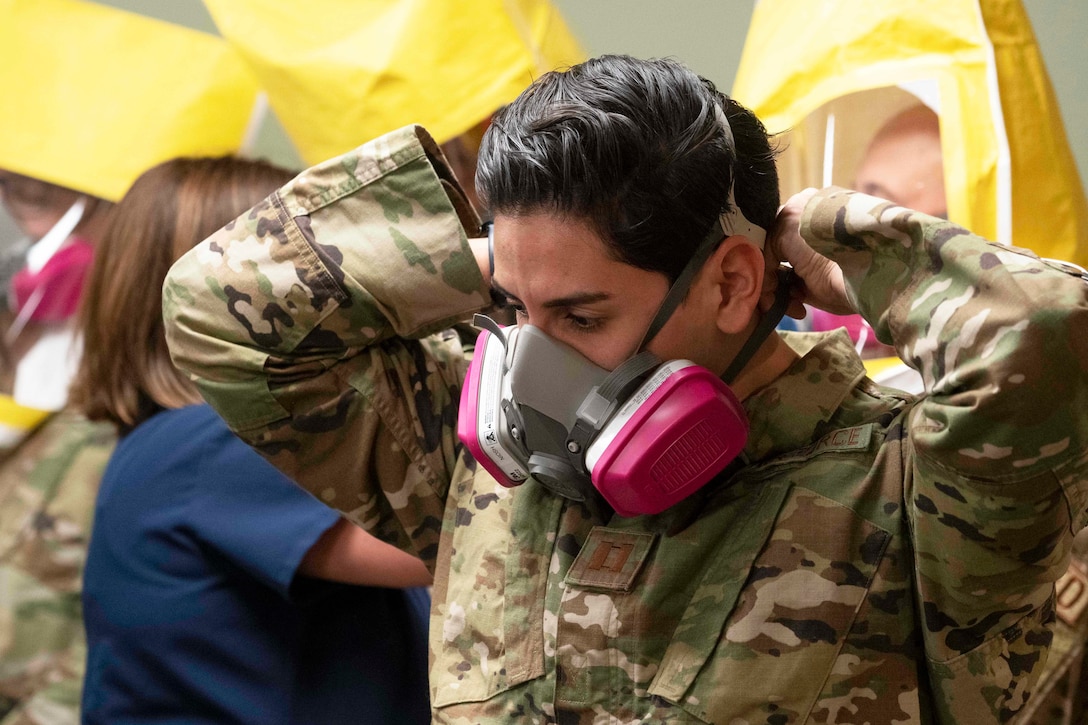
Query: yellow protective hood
x,y
849,65
94,96
348,71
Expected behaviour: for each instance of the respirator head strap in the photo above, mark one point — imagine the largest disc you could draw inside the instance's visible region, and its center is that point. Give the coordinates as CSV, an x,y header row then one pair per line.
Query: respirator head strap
x,y
680,287
765,327
601,402
728,224
485,322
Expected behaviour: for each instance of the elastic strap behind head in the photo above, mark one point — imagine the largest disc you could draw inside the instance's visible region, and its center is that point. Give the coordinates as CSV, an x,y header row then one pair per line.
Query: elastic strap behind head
x,y
731,223
765,327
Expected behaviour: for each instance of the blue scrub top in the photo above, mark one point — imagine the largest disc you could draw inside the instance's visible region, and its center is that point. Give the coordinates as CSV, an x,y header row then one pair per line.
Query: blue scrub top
x,y
192,608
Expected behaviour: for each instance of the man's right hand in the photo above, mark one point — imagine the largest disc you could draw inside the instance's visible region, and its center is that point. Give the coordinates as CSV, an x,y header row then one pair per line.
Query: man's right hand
x,y
819,280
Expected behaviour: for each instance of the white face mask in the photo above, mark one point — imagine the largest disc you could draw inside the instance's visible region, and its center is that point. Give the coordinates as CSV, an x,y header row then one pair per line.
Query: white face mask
x,y
46,370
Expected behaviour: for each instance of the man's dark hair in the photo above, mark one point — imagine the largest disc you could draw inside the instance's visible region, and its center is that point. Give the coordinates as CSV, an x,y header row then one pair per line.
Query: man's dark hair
x,y
635,147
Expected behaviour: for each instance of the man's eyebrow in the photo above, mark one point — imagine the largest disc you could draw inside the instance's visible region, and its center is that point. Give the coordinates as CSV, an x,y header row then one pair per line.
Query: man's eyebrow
x,y
581,298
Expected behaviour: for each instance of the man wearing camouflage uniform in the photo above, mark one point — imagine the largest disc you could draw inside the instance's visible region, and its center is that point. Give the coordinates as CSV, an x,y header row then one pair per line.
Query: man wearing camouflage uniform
x,y
877,558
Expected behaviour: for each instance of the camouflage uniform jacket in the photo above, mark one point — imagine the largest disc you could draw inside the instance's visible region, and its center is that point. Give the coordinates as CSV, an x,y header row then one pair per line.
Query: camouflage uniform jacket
x,y
880,559
48,485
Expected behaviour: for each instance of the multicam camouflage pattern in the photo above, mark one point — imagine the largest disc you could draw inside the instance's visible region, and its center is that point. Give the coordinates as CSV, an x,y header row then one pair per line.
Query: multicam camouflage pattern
x,y
48,486
1061,697
882,558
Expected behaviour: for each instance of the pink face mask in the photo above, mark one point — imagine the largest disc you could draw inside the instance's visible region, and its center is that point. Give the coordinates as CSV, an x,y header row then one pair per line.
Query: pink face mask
x,y
52,293
48,289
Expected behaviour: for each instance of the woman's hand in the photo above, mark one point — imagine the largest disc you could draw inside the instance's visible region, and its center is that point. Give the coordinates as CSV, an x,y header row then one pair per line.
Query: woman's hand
x,y
817,280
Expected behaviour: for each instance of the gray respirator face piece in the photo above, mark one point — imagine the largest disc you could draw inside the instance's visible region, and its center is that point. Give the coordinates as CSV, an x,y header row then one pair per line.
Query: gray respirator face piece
x,y
549,381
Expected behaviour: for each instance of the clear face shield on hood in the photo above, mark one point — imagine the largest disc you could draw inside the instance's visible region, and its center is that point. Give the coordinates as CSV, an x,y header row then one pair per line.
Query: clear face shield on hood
x,y
885,142
839,142
46,288
1007,163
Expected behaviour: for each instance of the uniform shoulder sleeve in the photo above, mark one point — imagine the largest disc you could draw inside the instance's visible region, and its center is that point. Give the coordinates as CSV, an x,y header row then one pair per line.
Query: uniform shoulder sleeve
x,y
314,324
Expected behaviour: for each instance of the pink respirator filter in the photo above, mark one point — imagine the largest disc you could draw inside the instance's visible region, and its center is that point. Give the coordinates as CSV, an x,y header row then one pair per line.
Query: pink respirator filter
x,y
680,429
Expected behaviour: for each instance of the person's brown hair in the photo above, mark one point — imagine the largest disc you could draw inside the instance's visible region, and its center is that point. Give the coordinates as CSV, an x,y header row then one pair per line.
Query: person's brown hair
x,y
125,373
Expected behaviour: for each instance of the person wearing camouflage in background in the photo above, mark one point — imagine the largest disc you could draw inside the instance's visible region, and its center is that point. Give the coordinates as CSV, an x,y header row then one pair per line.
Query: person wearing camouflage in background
x,y
48,484
879,557
51,461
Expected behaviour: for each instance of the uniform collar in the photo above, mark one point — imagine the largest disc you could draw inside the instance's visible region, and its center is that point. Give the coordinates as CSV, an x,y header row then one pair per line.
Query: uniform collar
x,y
788,413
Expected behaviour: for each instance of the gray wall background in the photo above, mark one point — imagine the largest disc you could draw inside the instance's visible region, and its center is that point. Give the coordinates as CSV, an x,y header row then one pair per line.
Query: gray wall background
x,y
708,35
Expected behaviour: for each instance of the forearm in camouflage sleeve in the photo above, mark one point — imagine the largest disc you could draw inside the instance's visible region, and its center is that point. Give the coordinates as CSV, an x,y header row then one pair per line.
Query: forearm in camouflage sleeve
x,y
997,334
310,323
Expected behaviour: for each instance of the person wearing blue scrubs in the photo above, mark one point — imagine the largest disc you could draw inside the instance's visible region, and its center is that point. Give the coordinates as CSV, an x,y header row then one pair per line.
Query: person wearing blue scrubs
x,y
215,589
193,604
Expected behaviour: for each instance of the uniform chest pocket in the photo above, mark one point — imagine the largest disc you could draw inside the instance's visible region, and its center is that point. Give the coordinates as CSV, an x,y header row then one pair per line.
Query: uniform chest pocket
x,y
486,625
778,645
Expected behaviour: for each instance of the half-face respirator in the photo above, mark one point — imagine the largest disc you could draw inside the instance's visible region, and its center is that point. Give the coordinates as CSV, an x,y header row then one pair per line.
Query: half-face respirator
x,y
645,435
644,439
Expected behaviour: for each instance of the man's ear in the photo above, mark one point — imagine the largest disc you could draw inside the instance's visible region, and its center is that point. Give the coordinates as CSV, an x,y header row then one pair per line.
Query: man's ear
x,y
738,271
